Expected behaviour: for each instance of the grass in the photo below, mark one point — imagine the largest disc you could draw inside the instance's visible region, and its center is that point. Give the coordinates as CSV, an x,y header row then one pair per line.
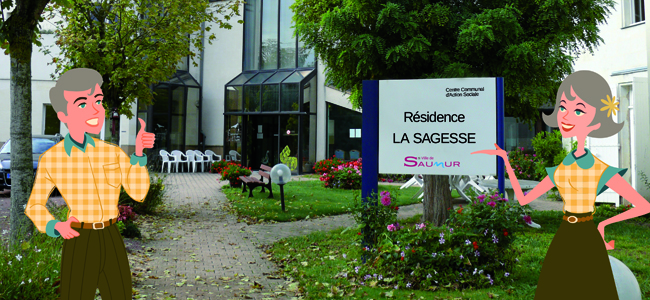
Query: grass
x,y
315,261
305,199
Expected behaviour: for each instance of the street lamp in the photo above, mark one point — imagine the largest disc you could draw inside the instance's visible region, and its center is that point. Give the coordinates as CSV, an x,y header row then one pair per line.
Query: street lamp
x,y
280,175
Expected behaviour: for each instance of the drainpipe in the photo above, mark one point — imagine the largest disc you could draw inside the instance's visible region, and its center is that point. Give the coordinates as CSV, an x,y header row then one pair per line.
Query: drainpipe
x,y
201,83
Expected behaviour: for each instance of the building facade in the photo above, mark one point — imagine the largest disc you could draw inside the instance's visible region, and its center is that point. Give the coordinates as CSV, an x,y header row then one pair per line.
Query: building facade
x,y
622,59
257,90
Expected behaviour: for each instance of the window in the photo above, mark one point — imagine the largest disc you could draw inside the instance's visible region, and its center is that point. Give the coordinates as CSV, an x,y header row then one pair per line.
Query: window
x,y
633,12
51,123
269,43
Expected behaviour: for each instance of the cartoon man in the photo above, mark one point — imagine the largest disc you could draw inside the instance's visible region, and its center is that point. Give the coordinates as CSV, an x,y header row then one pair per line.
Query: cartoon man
x,y
88,173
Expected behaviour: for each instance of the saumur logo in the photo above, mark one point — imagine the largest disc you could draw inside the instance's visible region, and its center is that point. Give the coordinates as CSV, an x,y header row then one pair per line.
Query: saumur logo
x,y
428,162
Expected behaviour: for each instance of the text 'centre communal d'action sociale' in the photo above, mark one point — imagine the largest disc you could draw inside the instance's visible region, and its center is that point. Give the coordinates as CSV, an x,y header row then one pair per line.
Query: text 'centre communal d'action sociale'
x,y
435,137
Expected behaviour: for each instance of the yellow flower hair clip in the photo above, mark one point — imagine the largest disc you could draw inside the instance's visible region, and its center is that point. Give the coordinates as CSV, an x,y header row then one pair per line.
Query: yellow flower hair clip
x,y
610,105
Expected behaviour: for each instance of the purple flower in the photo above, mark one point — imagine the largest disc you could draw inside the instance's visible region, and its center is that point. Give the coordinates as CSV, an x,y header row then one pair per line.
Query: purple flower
x,y
408,285
495,240
492,203
384,193
507,274
461,256
402,253
385,200
481,198
495,196
534,155
442,235
380,277
451,230
476,253
429,276
434,254
528,219
442,241
356,269
467,242
368,276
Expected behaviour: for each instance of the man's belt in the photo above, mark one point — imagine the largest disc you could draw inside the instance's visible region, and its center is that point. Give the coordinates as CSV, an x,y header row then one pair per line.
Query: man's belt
x,y
96,225
574,219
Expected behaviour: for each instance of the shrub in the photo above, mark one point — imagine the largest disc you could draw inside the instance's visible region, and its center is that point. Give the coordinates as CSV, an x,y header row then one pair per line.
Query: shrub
x,y
345,176
217,166
232,171
126,213
472,250
525,165
394,177
154,199
374,214
548,146
130,230
324,166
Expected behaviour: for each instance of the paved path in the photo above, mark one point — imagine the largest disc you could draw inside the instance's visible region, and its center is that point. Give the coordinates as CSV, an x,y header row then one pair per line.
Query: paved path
x,y
201,252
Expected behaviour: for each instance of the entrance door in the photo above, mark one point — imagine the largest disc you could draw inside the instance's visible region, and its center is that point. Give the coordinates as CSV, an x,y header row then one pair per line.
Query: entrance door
x,y
262,141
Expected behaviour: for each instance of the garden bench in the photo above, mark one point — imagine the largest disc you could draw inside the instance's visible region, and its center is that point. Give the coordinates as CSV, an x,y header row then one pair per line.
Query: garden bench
x,y
252,182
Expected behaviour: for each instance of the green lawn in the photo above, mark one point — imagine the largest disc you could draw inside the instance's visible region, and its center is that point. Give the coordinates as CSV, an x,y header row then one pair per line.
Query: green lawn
x,y
305,199
316,259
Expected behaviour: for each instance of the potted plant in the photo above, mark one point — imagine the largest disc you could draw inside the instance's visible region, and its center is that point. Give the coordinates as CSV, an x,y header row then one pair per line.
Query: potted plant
x,y
232,171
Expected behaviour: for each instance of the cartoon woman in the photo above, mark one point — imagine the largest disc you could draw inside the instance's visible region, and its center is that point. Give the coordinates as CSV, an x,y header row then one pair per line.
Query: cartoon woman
x,y
577,264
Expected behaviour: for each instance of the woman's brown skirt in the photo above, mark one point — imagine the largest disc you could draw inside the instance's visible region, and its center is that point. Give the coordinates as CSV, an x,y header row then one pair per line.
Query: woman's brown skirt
x,y
576,265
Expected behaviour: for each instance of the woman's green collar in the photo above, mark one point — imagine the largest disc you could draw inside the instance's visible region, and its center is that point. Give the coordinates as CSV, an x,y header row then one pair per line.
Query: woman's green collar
x,y
585,161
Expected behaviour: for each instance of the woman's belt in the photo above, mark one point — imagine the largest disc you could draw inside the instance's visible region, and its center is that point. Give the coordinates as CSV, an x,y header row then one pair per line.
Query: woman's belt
x,y
574,219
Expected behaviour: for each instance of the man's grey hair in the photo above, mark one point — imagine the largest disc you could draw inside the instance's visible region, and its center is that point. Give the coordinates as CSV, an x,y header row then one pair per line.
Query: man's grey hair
x,y
591,88
74,80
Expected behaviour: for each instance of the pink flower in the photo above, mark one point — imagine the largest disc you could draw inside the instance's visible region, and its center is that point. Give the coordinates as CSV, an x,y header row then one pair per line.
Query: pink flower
x,y
481,198
492,203
385,201
391,227
528,219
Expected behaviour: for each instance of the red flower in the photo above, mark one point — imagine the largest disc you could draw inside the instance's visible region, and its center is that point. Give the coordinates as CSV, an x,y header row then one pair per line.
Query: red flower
x,y
475,245
396,208
359,233
402,258
448,208
505,233
413,250
460,210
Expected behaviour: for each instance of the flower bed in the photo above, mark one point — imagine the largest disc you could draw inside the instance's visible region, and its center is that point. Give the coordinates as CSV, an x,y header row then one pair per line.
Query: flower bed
x,y
471,250
344,176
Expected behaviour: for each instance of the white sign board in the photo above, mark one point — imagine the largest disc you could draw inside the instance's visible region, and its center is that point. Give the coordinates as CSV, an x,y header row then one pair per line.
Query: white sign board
x,y
430,126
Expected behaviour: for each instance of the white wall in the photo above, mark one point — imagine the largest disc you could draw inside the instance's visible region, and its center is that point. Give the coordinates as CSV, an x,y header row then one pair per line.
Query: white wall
x,y
222,62
41,84
623,50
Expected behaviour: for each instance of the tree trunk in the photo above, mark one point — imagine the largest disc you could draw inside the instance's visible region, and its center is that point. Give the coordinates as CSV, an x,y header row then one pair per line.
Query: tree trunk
x,y
437,199
22,174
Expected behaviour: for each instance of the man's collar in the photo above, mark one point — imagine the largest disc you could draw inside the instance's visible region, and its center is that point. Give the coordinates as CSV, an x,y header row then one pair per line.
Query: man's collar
x,y
68,143
585,161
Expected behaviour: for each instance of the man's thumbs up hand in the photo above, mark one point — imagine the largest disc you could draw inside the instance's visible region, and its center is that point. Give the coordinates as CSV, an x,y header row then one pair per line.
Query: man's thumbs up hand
x,y
143,139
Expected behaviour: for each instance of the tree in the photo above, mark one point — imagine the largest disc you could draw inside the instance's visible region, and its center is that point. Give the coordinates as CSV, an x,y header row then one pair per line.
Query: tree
x,y
529,43
135,44
17,33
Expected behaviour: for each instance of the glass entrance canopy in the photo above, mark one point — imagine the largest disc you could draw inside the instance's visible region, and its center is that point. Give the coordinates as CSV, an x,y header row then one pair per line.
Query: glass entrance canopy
x,y
270,91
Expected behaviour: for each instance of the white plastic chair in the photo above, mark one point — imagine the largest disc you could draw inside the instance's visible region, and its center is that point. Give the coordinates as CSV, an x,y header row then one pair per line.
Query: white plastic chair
x,y
204,159
212,156
178,159
192,158
417,179
165,158
234,155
